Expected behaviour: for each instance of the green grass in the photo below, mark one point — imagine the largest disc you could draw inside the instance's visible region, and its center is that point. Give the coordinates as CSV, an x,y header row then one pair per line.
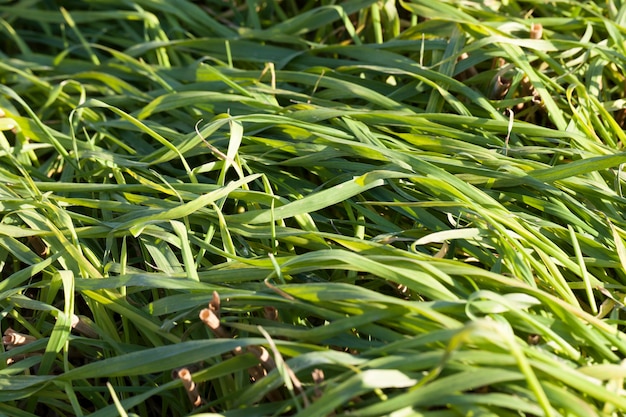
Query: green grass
x,y
414,208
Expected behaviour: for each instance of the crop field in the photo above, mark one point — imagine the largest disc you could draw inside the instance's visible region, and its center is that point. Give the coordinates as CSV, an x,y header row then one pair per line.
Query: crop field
x,y
312,208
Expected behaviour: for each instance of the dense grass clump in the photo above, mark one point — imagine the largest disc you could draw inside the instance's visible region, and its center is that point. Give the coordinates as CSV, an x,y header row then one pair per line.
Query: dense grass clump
x,y
360,208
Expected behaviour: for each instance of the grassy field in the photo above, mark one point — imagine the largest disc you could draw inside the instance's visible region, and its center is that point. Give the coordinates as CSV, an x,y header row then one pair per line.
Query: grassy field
x,y
314,208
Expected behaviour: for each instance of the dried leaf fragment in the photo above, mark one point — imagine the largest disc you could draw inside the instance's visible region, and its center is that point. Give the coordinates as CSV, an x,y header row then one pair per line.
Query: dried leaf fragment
x,y
263,355
82,325
215,304
211,317
212,321
536,31
13,339
318,379
190,387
